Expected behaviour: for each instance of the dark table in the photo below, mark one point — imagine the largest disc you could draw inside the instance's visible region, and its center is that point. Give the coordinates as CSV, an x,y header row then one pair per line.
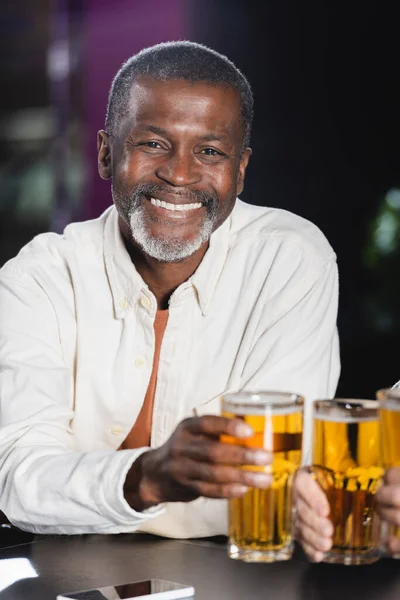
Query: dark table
x,y
70,563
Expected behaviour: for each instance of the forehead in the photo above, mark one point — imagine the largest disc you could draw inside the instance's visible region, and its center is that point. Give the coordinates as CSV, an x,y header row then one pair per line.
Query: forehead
x,y
173,103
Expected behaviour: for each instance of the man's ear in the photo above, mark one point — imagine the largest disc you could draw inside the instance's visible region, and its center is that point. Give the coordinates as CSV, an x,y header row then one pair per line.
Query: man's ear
x,y
244,160
104,155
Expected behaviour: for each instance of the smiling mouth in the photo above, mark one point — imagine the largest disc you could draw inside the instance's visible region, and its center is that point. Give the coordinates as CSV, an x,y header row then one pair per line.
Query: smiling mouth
x,y
175,207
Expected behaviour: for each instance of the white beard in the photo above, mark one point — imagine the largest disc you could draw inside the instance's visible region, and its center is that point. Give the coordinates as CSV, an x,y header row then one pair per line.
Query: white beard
x,y
167,249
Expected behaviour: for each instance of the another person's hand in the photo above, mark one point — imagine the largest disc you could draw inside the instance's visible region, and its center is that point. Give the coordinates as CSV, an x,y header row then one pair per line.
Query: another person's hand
x,y
388,502
313,528
194,462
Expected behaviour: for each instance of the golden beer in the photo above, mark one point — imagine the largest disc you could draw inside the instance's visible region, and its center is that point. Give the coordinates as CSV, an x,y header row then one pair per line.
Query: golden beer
x,y
260,523
389,415
346,464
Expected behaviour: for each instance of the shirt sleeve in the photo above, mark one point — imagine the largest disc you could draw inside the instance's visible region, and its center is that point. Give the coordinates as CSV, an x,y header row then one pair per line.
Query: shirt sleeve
x,y
47,485
299,351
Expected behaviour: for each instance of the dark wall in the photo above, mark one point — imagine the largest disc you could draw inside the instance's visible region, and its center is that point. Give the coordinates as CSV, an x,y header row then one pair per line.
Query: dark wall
x,y
326,143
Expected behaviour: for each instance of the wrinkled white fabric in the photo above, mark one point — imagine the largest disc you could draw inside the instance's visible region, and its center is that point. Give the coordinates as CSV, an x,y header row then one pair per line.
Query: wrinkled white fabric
x,y
76,352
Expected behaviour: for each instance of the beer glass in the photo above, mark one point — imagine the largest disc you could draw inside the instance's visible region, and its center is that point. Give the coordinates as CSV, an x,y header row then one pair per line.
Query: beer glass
x,y
346,464
389,413
260,523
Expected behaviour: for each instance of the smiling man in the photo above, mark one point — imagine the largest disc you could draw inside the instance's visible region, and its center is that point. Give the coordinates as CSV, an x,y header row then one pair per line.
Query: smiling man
x,y
170,207
177,156
118,337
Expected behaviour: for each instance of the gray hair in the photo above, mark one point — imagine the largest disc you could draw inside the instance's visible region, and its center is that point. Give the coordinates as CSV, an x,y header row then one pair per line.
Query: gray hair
x,y
173,61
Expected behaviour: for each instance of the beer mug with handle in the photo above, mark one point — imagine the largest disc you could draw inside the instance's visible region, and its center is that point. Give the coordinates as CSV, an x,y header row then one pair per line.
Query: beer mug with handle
x,y
346,464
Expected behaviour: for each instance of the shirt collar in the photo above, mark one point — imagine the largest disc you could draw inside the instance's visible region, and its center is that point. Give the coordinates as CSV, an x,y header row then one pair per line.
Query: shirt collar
x,y
125,282
127,285
206,276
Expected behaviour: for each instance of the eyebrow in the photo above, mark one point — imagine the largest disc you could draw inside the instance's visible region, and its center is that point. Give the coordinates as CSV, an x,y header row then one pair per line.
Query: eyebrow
x,y
214,137
155,129
208,137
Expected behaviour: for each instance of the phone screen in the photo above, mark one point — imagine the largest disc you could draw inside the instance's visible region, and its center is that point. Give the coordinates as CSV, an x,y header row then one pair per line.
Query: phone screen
x,y
136,589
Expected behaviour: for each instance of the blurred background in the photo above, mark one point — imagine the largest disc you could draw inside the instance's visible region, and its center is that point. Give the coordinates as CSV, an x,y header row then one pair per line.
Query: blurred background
x,y
325,141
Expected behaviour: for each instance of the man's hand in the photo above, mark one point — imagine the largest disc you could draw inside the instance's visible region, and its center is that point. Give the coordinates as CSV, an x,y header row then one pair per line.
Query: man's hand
x,y
313,528
194,462
388,502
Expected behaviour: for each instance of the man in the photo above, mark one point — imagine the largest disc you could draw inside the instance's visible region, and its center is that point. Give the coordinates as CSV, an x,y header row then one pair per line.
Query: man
x,y
122,333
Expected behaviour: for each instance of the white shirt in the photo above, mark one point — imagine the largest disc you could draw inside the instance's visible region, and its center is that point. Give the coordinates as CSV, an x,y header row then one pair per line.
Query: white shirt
x,y
76,352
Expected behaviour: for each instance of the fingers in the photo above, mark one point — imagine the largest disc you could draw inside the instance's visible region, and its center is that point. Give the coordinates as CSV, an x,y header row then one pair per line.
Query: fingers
x,y
388,499
390,530
187,471
389,514
195,460
314,555
321,527
215,425
204,446
222,490
392,476
313,545
313,532
313,528
311,494
389,496
203,449
393,545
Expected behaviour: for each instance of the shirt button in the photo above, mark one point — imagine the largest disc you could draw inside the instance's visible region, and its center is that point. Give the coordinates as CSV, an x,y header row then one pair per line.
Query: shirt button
x,y
116,430
144,301
139,363
123,303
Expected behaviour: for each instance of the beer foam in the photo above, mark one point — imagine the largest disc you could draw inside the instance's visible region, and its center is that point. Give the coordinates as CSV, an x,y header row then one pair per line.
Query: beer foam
x,y
390,404
338,417
262,403
343,410
260,411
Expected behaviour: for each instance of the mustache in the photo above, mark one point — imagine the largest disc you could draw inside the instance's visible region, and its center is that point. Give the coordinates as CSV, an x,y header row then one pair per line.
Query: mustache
x,y
150,189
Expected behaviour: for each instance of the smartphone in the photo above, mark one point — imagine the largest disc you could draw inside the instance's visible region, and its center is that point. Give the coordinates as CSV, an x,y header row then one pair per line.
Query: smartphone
x,y
149,589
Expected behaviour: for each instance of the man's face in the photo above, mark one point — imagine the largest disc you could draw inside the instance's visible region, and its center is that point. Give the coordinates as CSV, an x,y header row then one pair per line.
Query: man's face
x,y
176,164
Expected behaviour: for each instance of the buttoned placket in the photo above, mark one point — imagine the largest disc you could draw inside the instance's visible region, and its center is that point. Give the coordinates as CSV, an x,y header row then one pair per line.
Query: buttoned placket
x,y
146,310
136,366
132,296
137,308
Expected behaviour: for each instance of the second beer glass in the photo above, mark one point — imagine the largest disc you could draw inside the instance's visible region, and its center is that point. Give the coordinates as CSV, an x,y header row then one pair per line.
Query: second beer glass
x,y
260,523
346,464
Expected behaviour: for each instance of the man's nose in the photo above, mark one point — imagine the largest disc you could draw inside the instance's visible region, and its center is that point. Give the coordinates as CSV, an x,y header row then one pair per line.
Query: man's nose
x,y
179,169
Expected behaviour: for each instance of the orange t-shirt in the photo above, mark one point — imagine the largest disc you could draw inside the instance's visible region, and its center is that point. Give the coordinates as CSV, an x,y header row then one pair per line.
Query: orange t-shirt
x,y
140,434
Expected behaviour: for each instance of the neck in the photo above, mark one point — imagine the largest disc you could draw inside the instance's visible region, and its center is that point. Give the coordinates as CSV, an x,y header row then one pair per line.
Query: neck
x,y
163,278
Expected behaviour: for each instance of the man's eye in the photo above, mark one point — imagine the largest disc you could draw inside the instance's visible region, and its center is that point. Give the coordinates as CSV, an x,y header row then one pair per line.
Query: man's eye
x,y
154,145
211,152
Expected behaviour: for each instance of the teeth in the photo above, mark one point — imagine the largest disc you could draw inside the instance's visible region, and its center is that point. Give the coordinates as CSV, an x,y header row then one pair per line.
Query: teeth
x,y
169,206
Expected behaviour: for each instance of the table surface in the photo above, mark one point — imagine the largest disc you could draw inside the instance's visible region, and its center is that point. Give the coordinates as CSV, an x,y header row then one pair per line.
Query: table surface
x,y
46,567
